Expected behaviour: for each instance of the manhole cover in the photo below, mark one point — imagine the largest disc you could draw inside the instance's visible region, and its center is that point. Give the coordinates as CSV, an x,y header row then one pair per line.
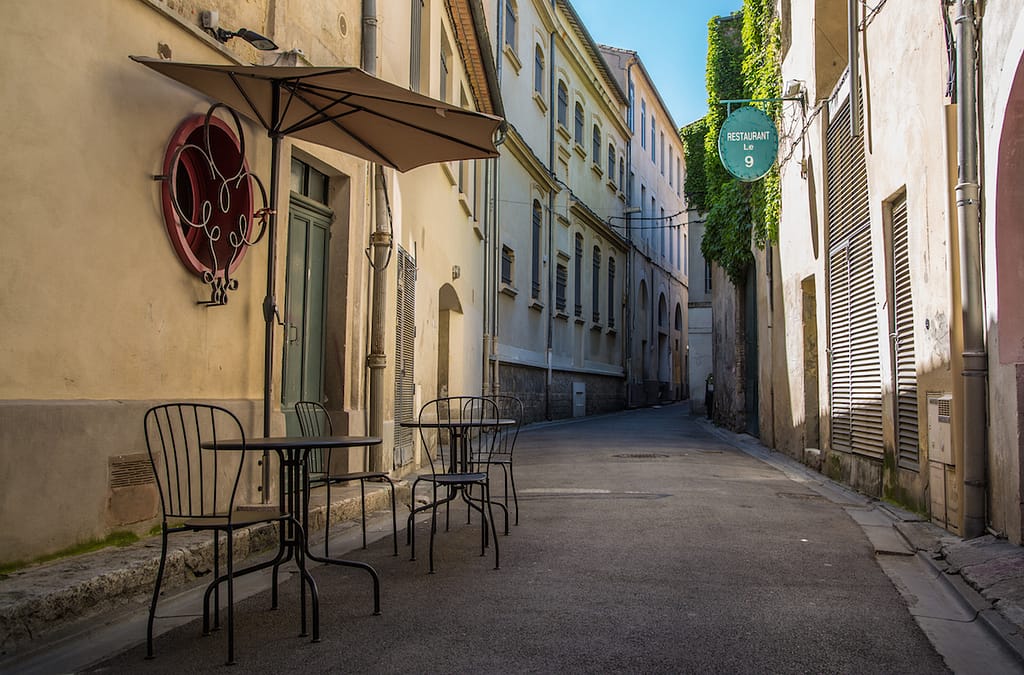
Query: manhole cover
x,y
640,455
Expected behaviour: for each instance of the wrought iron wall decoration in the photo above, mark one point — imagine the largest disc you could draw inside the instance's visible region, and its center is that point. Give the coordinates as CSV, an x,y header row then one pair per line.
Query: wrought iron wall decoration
x,y
207,193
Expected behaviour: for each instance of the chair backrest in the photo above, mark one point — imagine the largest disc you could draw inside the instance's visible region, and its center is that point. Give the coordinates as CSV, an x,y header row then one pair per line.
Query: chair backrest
x,y
314,420
192,481
509,407
456,435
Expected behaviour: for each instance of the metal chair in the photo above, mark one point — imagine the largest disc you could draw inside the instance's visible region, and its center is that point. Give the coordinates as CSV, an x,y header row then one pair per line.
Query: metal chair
x,y
198,489
458,442
314,420
509,407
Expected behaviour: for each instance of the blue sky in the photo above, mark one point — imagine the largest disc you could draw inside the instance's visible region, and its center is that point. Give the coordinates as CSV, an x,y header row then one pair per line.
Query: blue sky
x,y
671,37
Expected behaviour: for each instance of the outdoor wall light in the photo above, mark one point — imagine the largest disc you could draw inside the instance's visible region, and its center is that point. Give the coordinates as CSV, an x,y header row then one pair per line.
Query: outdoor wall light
x,y
258,41
210,20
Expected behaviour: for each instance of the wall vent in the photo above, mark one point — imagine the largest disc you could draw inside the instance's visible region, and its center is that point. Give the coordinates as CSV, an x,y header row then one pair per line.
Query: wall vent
x,y
940,446
130,471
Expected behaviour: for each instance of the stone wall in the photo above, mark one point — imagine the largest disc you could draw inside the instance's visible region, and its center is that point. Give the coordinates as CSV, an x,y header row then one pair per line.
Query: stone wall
x,y
604,393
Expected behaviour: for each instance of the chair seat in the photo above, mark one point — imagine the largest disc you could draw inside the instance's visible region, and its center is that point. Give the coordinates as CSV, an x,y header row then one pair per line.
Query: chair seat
x,y
357,475
456,478
246,515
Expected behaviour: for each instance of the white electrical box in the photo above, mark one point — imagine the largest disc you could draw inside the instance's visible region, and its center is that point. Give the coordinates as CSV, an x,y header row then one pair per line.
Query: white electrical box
x,y
940,440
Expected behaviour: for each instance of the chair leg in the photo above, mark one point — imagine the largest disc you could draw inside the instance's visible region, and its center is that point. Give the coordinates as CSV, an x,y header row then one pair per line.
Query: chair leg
x,y
327,522
394,516
216,575
490,513
231,599
515,495
362,506
156,593
433,529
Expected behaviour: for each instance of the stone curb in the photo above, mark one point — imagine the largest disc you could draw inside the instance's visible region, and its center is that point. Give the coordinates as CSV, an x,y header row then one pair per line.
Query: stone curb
x,y
41,601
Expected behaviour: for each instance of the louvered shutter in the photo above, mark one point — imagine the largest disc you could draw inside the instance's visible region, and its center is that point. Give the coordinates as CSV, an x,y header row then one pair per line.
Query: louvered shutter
x,y
405,344
855,376
904,363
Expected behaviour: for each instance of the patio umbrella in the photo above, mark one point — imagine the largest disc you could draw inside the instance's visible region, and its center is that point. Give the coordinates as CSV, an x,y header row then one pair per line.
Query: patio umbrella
x,y
344,108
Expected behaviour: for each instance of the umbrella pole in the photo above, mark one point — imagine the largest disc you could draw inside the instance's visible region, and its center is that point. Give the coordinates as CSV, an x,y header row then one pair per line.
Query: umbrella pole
x,y
270,304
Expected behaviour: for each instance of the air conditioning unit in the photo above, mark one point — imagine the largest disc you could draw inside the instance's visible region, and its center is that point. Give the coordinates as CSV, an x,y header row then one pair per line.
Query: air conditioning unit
x,y
940,440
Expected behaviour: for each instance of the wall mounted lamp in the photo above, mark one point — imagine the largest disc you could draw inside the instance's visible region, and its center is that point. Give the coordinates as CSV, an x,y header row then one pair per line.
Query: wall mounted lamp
x,y
211,22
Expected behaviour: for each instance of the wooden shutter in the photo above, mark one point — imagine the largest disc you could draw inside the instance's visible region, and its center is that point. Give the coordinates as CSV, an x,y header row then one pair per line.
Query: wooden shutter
x,y
904,363
854,364
405,345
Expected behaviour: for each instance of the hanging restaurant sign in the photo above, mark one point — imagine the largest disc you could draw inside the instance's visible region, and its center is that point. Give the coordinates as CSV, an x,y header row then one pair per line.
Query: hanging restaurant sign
x,y
207,195
748,143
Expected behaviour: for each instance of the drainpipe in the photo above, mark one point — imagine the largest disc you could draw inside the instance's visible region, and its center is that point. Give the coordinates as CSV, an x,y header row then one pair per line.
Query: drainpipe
x,y
630,252
380,242
551,217
853,54
975,359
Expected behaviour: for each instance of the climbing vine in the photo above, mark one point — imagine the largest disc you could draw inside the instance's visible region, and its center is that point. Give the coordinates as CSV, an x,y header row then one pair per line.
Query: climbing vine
x,y
743,62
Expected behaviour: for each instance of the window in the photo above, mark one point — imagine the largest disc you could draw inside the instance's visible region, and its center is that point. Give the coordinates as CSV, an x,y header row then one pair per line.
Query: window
x,y
679,182
611,292
670,165
510,24
664,233
537,235
445,69
416,47
538,70
662,137
578,135
622,172
561,281
596,145
643,123
611,162
508,263
654,147
578,276
632,104
595,287
563,105
684,253
707,276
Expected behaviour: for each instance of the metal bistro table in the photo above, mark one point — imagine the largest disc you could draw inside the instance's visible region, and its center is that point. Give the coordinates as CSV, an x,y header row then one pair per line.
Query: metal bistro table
x,y
459,429
292,451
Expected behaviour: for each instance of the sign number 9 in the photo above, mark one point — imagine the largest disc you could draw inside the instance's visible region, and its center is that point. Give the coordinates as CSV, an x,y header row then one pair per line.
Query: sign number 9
x,y
749,161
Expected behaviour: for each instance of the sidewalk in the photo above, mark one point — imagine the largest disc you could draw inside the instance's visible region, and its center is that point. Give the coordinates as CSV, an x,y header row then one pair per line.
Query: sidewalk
x,y
44,603
986,574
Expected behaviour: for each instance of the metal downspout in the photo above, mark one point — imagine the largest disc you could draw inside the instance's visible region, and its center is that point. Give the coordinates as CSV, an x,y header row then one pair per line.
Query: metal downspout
x,y
975,359
630,252
496,183
551,219
380,242
853,54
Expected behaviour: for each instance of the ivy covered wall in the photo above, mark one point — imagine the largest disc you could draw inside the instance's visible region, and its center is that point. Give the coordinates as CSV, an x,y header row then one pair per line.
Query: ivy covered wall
x,y
743,63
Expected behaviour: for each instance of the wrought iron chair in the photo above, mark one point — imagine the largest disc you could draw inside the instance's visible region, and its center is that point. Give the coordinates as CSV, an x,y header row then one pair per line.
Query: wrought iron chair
x,y
314,420
458,442
198,491
509,407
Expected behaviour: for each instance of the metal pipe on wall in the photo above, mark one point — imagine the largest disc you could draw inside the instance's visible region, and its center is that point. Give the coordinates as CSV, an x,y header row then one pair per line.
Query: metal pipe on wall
x,y
380,242
853,53
975,358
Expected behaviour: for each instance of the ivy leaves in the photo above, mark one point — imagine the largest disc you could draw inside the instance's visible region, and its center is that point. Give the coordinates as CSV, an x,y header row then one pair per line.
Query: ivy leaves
x,y
743,62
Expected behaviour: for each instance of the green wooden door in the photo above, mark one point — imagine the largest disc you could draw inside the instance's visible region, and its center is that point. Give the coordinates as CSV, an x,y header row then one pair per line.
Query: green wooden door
x,y
305,306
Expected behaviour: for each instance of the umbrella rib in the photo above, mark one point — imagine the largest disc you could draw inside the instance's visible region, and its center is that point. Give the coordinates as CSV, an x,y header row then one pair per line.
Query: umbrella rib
x,y
252,106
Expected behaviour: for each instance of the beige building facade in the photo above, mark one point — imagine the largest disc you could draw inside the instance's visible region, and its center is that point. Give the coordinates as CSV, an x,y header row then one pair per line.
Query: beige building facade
x,y
887,306
110,318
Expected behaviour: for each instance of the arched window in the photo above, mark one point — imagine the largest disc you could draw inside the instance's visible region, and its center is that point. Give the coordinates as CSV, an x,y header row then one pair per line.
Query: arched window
x,y
537,236
595,287
578,136
611,162
538,70
596,143
622,173
563,105
611,292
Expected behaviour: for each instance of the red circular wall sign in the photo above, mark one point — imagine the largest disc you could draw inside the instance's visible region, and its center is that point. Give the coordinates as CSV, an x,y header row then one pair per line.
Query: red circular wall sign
x,y
207,196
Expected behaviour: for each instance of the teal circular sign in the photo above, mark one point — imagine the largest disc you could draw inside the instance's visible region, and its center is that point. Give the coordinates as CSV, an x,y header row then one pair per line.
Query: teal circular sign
x,y
748,143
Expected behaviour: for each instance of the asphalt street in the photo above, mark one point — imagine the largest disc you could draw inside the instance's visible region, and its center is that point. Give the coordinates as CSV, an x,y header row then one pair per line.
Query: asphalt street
x,y
646,544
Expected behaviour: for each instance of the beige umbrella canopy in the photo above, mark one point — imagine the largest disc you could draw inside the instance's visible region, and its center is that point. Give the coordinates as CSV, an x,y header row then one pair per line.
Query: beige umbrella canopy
x,y
344,108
